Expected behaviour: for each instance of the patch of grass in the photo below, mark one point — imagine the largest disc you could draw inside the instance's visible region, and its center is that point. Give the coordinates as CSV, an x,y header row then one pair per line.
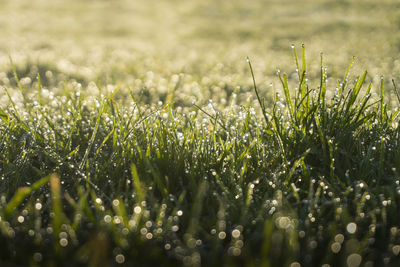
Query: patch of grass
x,y
121,42
309,177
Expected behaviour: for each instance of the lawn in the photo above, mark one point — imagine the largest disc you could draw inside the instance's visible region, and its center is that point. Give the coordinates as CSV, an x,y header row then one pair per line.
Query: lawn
x,y
199,133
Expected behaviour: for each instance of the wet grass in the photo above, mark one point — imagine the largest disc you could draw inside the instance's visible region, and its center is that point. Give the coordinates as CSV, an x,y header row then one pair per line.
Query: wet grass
x,y
135,133
305,176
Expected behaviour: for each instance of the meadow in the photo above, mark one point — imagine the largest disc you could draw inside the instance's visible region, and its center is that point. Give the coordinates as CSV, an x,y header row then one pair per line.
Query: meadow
x,y
199,133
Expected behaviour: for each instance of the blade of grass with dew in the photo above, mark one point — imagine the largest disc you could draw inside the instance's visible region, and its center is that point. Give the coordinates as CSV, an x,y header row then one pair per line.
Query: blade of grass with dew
x,y
247,203
356,91
264,112
302,83
322,87
286,92
296,164
91,141
119,209
297,62
4,116
344,84
261,103
364,103
21,194
55,191
138,188
395,90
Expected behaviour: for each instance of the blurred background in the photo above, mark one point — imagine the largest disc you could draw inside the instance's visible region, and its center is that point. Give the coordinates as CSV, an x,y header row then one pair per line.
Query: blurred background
x,y
132,43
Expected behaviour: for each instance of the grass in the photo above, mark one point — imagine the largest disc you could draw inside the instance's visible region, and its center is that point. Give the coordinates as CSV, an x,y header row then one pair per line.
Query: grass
x,y
135,133
118,43
300,179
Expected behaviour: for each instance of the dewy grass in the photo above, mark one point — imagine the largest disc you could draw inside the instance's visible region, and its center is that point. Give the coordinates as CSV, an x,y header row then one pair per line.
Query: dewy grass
x,y
306,180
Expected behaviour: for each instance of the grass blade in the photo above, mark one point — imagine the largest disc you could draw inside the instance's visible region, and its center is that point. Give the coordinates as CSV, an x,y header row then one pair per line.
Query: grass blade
x,y
138,188
21,194
4,117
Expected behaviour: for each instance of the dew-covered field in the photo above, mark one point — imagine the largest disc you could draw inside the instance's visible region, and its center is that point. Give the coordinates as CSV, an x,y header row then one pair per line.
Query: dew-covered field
x,y
136,133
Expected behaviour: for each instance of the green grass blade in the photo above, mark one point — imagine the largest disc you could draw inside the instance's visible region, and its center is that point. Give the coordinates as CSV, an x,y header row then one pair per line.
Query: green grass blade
x,y
261,103
21,194
138,188
395,90
92,138
341,89
286,91
297,62
4,117
55,191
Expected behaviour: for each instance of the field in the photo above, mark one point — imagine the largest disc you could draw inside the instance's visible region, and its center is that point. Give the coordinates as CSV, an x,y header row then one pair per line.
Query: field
x,y
199,133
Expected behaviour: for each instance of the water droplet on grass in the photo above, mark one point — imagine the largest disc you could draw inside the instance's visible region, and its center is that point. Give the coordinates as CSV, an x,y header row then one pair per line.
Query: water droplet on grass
x,y
107,218
137,209
235,233
354,260
63,242
339,238
351,228
21,219
149,236
221,235
236,251
120,258
335,247
396,250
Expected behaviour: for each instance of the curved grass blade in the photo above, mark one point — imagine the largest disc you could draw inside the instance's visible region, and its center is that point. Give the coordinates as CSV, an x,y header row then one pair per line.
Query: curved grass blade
x,y
21,194
4,117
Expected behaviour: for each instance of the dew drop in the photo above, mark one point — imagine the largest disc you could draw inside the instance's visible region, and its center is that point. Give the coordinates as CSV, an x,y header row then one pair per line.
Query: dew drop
x,y
21,219
335,247
137,209
235,233
120,258
354,260
107,218
351,228
63,242
221,235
